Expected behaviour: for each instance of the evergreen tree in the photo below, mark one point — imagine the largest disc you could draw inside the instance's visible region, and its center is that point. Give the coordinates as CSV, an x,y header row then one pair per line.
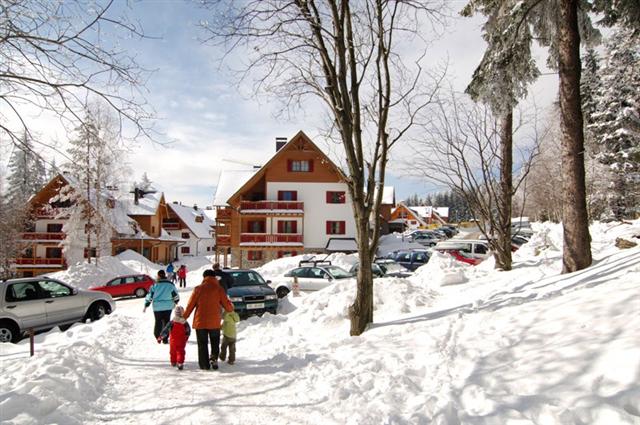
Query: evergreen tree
x,y
27,173
614,120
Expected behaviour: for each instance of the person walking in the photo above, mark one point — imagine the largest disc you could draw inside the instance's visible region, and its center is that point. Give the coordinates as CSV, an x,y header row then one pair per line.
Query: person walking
x,y
230,319
178,331
164,296
171,272
226,281
182,276
207,300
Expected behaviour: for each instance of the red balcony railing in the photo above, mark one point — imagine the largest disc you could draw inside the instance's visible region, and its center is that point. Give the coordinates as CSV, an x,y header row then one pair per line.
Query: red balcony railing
x,y
170,225
271,205
269,238
40,261
223,240
42,236
45,212
223,214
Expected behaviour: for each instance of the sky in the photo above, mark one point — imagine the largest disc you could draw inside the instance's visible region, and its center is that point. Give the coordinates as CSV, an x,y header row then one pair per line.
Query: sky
x,y
211,126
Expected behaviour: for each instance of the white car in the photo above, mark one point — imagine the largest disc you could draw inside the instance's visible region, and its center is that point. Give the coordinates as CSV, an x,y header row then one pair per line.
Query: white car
x,y
473,247
310,278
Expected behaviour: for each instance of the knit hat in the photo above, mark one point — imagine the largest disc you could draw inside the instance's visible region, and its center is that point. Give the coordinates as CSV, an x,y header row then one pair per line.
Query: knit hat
x,y
179,311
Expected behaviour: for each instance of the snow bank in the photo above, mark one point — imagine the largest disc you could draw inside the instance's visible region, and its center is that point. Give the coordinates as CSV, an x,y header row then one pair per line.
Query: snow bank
x,y
277,268
442,269
85,275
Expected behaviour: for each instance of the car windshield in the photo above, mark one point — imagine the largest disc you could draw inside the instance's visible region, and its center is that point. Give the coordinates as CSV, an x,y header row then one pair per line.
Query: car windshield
x,y
337,272
246,278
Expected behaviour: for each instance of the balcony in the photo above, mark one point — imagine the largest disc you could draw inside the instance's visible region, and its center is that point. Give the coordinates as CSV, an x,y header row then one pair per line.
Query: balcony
x,y
223,214
49,212
270,239
272,207
171,224
42,236
59,262
223,240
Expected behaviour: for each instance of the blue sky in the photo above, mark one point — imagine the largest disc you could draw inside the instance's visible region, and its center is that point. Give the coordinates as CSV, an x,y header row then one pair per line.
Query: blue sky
x,y
213,125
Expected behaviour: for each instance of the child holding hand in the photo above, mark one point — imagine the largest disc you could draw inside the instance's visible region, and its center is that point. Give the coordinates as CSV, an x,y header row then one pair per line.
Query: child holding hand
x,y
178,331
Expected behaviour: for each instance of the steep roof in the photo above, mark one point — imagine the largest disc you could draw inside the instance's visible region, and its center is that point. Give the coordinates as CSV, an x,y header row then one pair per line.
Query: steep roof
x,y
260,172
230,182
188,215
147,205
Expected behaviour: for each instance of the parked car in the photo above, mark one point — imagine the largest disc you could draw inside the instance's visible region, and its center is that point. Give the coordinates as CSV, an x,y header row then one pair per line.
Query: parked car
x,y
474,247
41,303
125,286
375,269
391,268
410,259
461,256
313,277
426,239
251,294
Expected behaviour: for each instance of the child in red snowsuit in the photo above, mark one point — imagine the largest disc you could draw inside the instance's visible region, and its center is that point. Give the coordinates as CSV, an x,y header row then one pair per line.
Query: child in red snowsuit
x,y
178,331
182,276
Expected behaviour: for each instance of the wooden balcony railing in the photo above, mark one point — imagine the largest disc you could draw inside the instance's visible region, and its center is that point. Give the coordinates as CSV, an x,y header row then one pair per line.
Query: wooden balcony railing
x,y
45,212
223,214
170,225
223,240
271,205
270,238
40,261
42,236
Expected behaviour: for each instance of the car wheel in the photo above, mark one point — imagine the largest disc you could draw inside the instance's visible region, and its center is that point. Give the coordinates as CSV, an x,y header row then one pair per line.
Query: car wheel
x,y
282,292
140,292
97,311
9,332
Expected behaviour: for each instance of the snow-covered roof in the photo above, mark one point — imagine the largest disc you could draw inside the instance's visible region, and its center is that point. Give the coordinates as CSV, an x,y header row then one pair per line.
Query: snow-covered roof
x,y
388,195
442,211
427,211
230,182
188,215
147,205
341,245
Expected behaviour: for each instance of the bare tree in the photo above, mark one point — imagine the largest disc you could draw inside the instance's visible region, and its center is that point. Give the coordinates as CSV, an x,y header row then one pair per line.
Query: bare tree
x,y
352,56
56,54
464,150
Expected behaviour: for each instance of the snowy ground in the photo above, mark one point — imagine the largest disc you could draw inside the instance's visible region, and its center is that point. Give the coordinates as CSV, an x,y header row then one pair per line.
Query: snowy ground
x,y
454,344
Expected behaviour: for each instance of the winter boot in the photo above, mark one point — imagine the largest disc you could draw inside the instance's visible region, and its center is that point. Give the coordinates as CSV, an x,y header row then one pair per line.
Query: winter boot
x,y
214,364
173,364
180,366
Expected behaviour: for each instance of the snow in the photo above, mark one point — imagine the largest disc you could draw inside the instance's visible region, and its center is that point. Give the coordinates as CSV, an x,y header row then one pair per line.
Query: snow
x,y
395,242
528,346
188,215
230,182
148,205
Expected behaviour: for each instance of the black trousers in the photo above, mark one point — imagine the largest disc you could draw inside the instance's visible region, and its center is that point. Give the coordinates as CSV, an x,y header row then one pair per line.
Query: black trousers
x,y
204,337
231,343
162,318
183,282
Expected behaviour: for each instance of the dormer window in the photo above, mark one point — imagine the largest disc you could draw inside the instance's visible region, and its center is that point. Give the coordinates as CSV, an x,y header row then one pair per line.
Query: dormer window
x,y
199,219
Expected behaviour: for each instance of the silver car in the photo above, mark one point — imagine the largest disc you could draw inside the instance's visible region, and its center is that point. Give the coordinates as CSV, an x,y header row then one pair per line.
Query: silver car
x,y
42,303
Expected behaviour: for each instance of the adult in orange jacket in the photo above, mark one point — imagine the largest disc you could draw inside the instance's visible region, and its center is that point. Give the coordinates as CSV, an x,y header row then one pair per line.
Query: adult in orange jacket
x,y
207,300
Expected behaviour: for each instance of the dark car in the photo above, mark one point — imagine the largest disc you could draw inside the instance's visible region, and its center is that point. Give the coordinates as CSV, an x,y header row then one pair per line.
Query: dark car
x,y
126,286
391,268
410,259
251,294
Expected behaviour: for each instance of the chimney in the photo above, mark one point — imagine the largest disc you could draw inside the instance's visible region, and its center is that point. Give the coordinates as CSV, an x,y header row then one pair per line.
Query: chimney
x,y
195,207
136,196
280,142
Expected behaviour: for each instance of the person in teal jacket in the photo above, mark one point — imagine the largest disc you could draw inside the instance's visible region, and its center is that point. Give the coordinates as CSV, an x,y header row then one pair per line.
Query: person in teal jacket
x,y
164,296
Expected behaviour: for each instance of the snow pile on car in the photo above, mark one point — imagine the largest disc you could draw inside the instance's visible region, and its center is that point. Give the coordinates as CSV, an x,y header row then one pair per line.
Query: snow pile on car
x,y
277,268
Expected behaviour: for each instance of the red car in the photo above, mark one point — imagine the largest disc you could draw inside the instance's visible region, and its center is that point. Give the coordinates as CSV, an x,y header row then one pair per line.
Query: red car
x,y
462,256
126,286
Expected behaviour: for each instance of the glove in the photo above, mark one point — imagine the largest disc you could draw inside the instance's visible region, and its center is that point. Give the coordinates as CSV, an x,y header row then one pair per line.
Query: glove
x,y
159,340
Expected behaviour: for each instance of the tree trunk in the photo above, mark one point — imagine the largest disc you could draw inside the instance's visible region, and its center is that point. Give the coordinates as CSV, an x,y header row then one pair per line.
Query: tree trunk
x,y
577,250
361,311
503,243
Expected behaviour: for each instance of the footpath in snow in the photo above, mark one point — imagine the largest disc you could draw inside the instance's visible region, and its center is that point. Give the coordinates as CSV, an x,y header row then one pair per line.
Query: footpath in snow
x,y
451,345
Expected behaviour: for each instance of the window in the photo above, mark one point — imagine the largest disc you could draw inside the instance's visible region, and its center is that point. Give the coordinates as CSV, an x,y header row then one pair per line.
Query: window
x,y
287,226
301,272
53,253
480,249
282,254
255,226
199,219
336,227
254,255
22,292
54,228
185,250
335,197
287,195
302,166
115,282
185,235
90,253
53,289
420,257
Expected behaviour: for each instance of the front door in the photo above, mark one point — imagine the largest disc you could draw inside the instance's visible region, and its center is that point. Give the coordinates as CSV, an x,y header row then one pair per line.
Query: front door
x,y
60,303
24,302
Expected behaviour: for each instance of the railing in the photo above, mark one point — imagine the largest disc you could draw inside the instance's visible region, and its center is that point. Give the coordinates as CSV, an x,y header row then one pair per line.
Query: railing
x,y
223,214
40,261
47,212
43,236
171,225
271,205
269,238
223,240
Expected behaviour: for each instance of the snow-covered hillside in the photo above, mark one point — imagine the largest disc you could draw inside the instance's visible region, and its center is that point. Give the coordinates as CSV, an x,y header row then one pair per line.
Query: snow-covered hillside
x,y
454,344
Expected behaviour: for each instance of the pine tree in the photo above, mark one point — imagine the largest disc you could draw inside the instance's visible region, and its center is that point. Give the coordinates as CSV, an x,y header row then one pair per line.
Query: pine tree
x,y
27,174
615,120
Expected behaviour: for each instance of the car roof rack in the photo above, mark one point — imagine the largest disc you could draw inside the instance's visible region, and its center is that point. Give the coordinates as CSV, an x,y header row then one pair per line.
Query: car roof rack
x,y
314,263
